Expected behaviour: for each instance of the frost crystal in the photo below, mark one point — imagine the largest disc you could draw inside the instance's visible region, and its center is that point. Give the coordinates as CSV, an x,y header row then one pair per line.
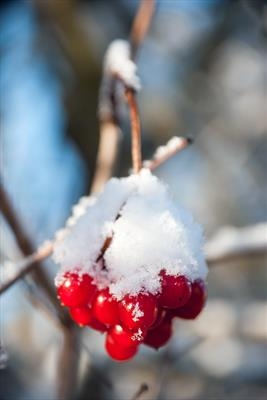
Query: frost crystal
x,y
137,313
148,233
138,335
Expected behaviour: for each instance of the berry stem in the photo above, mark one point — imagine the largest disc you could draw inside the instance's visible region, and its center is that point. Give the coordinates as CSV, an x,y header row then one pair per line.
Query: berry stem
x,y
135,130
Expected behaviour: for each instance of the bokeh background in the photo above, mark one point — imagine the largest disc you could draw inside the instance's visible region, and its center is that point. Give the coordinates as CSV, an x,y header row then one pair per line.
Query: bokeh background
x,y
203,74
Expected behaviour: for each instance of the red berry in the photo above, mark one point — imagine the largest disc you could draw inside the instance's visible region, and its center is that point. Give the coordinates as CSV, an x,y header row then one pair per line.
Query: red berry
x,y
175,290
162,313
97,326
138,311
105,308
125,338
196,302
158,337
81,315
76,290
118,352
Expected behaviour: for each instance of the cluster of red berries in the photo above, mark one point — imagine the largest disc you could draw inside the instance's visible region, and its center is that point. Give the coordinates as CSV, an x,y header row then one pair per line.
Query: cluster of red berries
x,y
142,318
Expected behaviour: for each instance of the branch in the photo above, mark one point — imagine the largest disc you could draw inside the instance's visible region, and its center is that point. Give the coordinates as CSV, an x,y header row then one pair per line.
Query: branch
x,y
232,243
27,264
135,130
141,24
68,365
163,153
117,56
141,390
27,248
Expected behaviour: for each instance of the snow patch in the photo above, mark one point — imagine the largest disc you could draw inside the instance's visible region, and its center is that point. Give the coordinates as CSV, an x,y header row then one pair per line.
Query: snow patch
x,y
118,63
149,233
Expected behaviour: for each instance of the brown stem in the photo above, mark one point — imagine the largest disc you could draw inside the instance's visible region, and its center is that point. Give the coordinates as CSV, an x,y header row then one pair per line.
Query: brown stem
x,y
156,161
135,130
27,248
141,390
141,24
27,264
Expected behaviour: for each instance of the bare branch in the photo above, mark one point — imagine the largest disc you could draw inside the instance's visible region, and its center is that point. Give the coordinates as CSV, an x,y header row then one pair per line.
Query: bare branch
x,y
141,24
141,390
135,130
27,248
109,127
164,153
232,243
27,264
68,365
107,154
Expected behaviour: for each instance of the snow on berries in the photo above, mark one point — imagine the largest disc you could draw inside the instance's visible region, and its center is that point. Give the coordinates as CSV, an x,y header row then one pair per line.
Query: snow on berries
x,y
131,261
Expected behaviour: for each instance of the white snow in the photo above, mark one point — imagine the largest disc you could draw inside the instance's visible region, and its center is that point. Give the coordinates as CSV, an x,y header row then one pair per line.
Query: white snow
x,y
118,62
149,233
170,146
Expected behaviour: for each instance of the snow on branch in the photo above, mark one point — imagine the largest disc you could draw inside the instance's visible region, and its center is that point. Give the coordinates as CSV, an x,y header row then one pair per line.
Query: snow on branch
x,y
231,243
118,63
163,153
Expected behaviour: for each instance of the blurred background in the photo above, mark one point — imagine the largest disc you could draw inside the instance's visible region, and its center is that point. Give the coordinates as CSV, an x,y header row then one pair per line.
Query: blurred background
x,y
203,73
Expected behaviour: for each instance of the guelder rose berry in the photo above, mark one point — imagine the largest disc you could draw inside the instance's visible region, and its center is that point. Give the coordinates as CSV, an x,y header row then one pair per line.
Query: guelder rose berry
x,y
126,338
159,336
97,325
81,315
175,290
105,308
196,302
138,311
75,290
117,352
145,250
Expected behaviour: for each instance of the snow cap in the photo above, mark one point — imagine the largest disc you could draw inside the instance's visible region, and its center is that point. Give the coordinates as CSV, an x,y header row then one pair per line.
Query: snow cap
x,y
149,233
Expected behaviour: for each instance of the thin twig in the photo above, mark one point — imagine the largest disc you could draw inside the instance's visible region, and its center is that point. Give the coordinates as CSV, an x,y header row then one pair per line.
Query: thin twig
x,y
109,126
107,154
27,248
164,153
28,264
141,390
135,130
141,24
68,365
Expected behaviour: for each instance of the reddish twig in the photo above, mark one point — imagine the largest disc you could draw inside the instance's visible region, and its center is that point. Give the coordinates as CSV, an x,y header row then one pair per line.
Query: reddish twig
x,y
164,153
135,130
141,24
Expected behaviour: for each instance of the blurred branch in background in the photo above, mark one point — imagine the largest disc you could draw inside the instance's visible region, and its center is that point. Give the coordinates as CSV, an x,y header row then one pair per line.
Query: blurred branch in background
x,y
39,276
59,25
231,243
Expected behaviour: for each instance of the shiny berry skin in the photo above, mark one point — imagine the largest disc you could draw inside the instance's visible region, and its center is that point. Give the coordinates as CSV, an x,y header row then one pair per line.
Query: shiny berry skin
x,y
106,308
162,313
159,336
97,325
139,311
196,302
175,290
81,315
75,290
117,352
125,338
